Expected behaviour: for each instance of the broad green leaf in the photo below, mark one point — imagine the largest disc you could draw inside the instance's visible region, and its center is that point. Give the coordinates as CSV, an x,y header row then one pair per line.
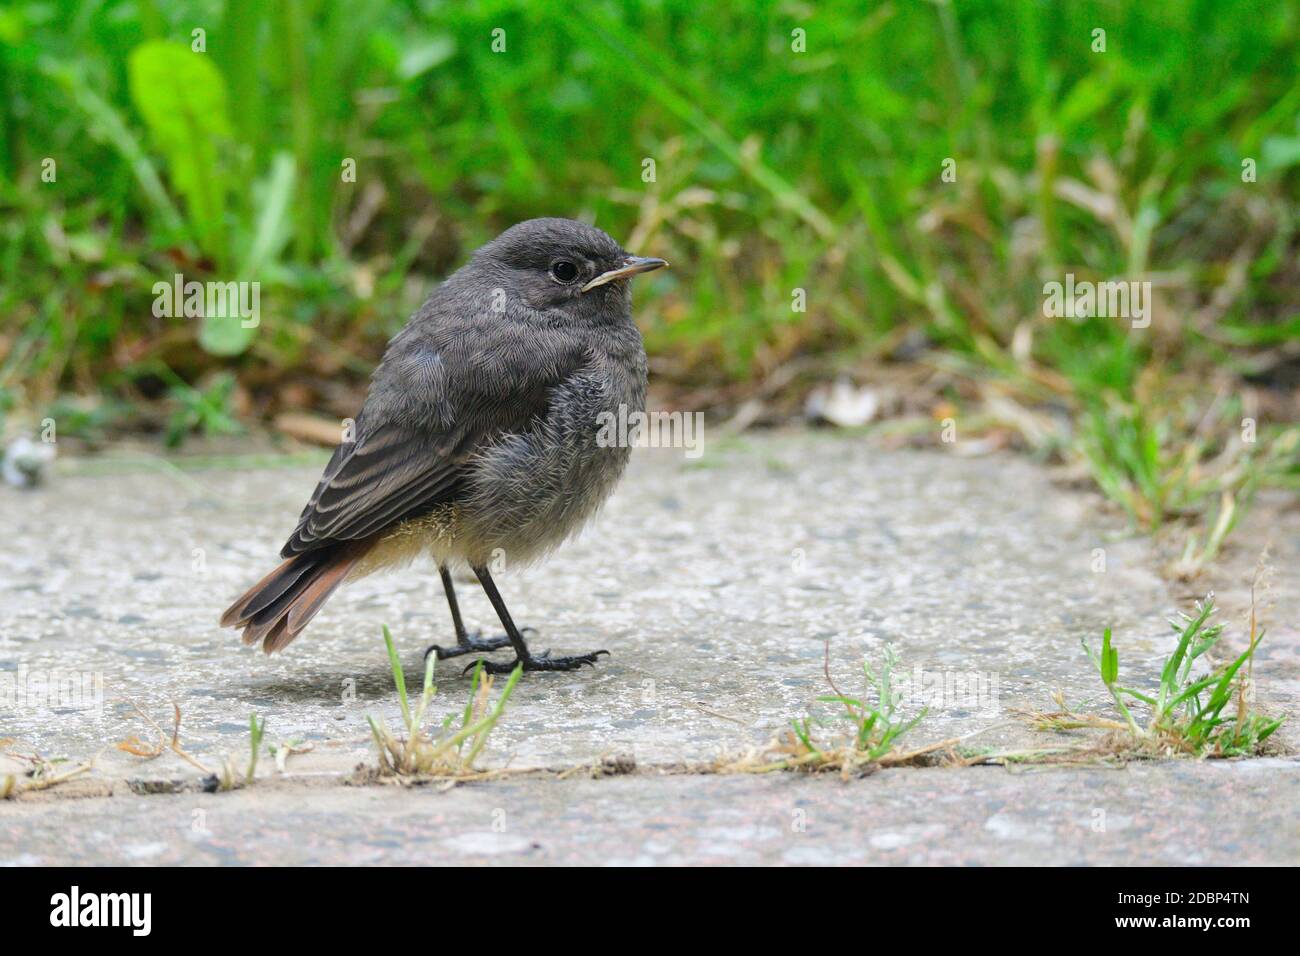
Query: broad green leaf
x,y
225,334
182,98
424,56
1109,660
1280,153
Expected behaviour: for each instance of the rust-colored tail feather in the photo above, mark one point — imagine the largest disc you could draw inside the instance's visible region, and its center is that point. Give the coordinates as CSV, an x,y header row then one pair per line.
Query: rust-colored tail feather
x,y
277,608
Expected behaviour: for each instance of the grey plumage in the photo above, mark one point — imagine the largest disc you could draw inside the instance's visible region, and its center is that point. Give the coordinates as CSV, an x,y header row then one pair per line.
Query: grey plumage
x,y
479,430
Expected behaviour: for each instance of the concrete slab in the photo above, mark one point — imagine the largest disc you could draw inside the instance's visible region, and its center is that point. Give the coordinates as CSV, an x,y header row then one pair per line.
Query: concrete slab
x,y
714,586
714,583
1165,814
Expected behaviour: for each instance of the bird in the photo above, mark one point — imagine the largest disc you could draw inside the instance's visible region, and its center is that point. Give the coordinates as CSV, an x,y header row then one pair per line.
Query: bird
x,y
479,439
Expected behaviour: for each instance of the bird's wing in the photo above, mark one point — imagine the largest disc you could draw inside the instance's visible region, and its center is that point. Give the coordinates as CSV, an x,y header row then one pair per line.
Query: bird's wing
x,y
387,474
434,404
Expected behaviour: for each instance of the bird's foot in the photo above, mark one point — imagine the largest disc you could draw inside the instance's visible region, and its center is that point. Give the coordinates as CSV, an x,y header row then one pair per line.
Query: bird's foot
x,y
472,644
538,662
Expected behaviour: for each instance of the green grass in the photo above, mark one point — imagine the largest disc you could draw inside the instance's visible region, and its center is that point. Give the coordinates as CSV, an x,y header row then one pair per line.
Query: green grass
x,y
1198,708
1187,712
859,736
775,170
454,752
229,777
876,729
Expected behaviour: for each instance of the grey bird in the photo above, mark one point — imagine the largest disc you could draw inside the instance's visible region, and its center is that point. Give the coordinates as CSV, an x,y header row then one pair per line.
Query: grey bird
x,y
479,436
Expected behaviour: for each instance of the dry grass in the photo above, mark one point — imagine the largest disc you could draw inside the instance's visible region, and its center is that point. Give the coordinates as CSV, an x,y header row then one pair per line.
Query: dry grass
x,y
227,777
42,773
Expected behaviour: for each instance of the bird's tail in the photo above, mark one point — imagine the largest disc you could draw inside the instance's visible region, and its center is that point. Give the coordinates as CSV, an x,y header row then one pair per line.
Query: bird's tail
x,y
278,607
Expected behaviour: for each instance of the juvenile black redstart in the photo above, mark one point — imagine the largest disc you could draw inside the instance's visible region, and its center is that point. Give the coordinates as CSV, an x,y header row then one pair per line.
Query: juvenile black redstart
x,y
480,432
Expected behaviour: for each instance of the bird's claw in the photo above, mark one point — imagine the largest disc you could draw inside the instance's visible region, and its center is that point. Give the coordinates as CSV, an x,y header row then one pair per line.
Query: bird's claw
x,y
472,644
538,662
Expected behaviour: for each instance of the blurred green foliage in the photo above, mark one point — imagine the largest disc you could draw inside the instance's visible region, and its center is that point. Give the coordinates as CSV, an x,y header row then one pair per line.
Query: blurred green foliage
x,y
776,168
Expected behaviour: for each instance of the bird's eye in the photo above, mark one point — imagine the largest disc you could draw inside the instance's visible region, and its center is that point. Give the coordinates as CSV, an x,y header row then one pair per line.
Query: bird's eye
x,y
564,271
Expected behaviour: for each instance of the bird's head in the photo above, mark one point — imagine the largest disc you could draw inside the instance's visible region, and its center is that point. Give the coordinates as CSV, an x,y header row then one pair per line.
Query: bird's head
x,y
560,264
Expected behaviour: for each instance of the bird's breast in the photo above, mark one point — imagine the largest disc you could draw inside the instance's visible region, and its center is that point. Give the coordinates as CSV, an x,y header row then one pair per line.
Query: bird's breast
x,y
533,488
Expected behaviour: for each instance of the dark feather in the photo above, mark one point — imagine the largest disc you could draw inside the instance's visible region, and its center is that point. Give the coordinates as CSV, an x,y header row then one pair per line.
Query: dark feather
x,y
451,383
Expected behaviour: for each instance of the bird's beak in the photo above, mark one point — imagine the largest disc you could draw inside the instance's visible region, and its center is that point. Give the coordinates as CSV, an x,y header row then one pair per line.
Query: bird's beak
x,y
632,265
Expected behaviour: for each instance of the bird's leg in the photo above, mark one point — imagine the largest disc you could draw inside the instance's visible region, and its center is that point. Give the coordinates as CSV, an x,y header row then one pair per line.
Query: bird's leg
x,y
465,643
530,662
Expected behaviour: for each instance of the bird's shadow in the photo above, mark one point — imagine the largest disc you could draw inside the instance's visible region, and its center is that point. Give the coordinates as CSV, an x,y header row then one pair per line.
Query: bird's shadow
x,y
337,685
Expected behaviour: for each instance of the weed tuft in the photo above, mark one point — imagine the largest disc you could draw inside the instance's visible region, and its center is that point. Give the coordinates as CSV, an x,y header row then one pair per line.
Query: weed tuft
x,y
867,739
227,777
1198,710
454,752
42,772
